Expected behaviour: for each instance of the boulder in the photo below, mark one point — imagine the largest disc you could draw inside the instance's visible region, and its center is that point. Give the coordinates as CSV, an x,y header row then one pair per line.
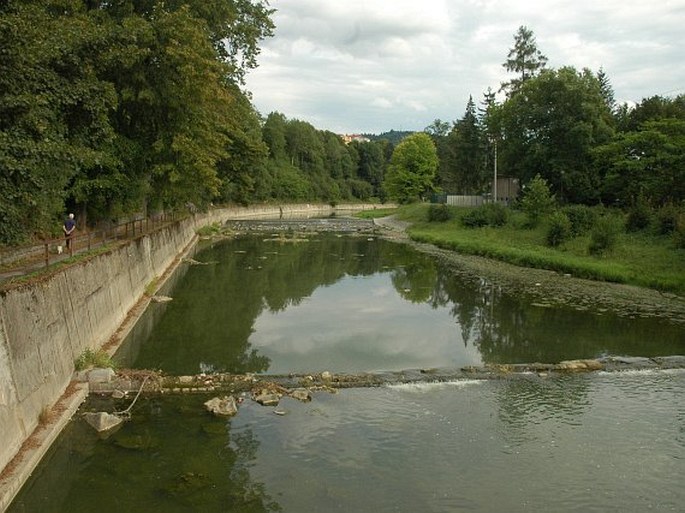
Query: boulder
x,y
224,406
102,421
267,399
301,394
98,375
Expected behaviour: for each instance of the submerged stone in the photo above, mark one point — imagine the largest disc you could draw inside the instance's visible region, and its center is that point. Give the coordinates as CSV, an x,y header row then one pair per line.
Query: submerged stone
x,y
135,442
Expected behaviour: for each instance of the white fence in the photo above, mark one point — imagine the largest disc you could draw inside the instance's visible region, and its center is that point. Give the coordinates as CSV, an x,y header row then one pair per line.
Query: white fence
x,y
465,201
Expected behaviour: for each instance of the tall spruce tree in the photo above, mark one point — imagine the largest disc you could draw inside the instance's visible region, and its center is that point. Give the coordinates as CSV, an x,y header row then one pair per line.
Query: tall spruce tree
x,y
468,151
524,59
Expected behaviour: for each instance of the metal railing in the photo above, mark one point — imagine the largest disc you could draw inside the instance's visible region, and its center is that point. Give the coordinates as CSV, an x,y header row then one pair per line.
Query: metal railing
x,y
21,260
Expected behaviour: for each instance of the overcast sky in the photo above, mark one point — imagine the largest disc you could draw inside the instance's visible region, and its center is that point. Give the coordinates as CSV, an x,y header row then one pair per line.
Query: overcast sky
x,y
368,66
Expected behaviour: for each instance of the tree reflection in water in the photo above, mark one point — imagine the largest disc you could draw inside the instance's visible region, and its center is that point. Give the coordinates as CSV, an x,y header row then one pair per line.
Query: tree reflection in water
x,y
211,323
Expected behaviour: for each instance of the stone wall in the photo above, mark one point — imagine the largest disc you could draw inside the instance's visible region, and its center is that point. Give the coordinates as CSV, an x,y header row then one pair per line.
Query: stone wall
x,y
47,324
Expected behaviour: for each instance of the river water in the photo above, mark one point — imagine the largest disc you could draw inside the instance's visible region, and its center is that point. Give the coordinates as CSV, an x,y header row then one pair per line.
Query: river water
x,y
592,442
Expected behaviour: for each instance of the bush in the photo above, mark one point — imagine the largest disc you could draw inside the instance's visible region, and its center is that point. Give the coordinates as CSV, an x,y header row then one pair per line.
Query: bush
x,y
639,217
668,219
604,235
537,200
90,358
490,214
439,213
679,231
496,213
559,229
581,217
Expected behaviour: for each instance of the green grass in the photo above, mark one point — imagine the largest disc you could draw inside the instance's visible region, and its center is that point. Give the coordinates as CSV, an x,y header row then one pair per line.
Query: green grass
x,y
374,213
638,259
90,358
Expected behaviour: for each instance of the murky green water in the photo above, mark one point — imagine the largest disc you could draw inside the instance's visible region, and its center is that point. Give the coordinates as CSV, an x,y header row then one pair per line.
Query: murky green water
x,y
598,442
349,304
588,443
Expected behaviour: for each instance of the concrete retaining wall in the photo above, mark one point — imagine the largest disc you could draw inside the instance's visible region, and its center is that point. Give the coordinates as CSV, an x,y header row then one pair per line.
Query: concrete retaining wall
x,y
46,325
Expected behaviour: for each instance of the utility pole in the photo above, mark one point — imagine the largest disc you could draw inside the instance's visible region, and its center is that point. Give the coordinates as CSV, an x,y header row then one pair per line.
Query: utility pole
x,y
494,183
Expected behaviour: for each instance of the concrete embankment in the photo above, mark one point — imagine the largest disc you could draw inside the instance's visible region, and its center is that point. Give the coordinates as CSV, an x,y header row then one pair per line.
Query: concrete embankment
x,y
46,323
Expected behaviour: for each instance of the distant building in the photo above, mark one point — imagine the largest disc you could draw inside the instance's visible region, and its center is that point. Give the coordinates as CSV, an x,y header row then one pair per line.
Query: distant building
x,y
348,138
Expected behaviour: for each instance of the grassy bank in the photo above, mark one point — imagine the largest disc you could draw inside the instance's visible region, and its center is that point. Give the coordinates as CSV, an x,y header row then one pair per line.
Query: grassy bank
x,y
644,259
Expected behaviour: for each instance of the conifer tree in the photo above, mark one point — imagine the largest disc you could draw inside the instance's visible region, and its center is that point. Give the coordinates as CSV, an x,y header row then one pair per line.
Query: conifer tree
x,y
524,59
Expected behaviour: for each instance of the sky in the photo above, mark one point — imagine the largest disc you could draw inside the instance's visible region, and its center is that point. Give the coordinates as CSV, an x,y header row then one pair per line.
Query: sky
x,y
369,66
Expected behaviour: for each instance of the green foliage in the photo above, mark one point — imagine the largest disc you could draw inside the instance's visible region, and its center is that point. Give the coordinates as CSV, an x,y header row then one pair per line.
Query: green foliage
x,y
559,229
524,59
604,235
490,214
679,232
642,259
639,217
537,200
669,217
209,230
412,168
110,107
550,128
439,213
581,217
465,172
90,358
648,163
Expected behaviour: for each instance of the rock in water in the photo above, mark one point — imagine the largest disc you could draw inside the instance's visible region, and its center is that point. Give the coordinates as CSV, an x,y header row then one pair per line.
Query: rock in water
x,y
224,406
102,421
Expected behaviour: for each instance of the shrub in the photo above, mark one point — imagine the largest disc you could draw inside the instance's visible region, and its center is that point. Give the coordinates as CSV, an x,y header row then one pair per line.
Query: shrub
x,y
581,217
668,219
639,217
475,218
496,213
604,235
559,229
439,213
679,231
490,214
537,200
90,358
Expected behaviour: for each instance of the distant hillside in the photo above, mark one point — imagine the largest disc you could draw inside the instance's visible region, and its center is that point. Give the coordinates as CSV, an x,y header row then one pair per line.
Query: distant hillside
x,y
393,136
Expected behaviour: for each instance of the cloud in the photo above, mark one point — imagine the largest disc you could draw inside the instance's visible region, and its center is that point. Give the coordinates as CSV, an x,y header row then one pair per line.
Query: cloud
x,y
376,65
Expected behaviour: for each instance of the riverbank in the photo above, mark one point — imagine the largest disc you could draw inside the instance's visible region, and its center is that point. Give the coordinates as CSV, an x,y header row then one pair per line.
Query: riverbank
x,y
642,258
545,287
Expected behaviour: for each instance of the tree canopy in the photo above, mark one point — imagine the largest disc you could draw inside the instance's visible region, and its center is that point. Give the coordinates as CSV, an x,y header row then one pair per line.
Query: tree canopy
x,y
412,168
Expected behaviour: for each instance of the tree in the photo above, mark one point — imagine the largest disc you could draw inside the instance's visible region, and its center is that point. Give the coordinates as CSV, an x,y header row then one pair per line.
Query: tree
x,y
467,143
537,200
648,163
371,163
53,112
550,128
524,59
412,168
606,90
438,128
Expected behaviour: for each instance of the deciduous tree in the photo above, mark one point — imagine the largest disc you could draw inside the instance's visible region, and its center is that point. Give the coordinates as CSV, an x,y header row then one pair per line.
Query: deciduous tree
x,y
412,168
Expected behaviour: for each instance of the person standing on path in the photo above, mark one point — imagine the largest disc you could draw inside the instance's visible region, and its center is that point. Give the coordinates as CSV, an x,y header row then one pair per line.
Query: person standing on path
x,y
68,228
